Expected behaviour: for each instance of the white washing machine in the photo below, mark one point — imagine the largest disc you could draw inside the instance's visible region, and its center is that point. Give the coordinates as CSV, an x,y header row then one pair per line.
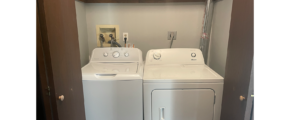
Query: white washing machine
x,y
177,85
112,84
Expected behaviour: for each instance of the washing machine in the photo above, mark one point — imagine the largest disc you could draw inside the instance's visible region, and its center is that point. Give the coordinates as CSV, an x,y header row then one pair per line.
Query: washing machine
x,y
178,85
112,84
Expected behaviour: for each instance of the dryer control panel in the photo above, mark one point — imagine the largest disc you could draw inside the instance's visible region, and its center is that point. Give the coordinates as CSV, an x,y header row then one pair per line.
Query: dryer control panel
x,y
174,56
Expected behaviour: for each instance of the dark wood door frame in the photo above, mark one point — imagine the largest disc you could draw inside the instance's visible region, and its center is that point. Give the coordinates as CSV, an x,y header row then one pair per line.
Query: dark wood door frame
x,y
239,60
49,106
40,106
58,59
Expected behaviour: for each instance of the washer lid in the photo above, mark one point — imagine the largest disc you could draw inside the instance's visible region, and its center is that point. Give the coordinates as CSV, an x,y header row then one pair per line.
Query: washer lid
x,y
122,67
111,71
180,73
111,68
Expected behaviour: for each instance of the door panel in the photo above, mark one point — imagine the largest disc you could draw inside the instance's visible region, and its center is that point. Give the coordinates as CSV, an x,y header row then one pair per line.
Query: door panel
x,y
239,60
190,104
113,100
42,77
61,57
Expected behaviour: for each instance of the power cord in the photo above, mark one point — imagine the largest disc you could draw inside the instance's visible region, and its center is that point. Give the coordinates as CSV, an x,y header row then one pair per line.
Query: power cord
x,y
171,36
125,39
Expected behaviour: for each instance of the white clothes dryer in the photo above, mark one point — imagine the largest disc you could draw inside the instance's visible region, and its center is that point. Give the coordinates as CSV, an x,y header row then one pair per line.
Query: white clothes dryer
x,y
177,85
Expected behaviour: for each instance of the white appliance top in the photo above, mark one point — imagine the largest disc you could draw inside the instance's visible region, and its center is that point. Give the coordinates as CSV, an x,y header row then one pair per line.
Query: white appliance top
x,y
178,65
116,68
114,64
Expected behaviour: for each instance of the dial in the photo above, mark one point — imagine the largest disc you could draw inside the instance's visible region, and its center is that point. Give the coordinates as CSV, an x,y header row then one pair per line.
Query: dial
x,y
193,55
116,54
105,54
156,56
126,54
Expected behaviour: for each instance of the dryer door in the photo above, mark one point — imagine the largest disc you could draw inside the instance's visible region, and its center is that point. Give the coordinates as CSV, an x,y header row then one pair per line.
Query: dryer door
x,y
183,104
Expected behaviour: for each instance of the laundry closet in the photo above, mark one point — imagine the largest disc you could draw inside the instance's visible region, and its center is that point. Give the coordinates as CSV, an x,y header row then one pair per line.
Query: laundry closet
x,y
145,59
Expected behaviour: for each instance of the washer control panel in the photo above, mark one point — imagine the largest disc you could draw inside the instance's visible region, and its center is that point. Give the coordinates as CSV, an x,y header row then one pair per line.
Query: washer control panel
x,y
116,54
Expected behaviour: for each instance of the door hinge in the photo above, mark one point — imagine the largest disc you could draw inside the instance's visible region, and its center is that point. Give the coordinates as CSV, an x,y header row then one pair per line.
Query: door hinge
x,y
48,91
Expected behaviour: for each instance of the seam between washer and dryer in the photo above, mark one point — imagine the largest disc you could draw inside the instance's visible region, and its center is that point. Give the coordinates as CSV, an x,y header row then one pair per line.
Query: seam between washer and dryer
x,y
137,67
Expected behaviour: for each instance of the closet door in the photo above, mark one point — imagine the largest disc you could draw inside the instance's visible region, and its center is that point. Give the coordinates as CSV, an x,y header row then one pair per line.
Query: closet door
x,y
183,104
58,59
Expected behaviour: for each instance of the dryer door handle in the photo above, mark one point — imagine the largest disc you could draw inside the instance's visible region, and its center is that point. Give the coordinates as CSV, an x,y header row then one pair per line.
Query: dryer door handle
x,y
161,111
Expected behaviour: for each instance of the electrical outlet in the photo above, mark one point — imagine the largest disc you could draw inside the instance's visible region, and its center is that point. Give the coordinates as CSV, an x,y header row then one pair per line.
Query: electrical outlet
x,y
174,35
125,35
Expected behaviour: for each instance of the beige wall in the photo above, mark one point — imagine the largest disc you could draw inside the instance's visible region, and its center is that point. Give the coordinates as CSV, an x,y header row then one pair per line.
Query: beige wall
x,y
220,36
148,23
82,32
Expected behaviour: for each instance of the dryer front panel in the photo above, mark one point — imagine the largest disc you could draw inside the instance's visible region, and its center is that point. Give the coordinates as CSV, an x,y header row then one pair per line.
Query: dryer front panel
x,y
183,104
